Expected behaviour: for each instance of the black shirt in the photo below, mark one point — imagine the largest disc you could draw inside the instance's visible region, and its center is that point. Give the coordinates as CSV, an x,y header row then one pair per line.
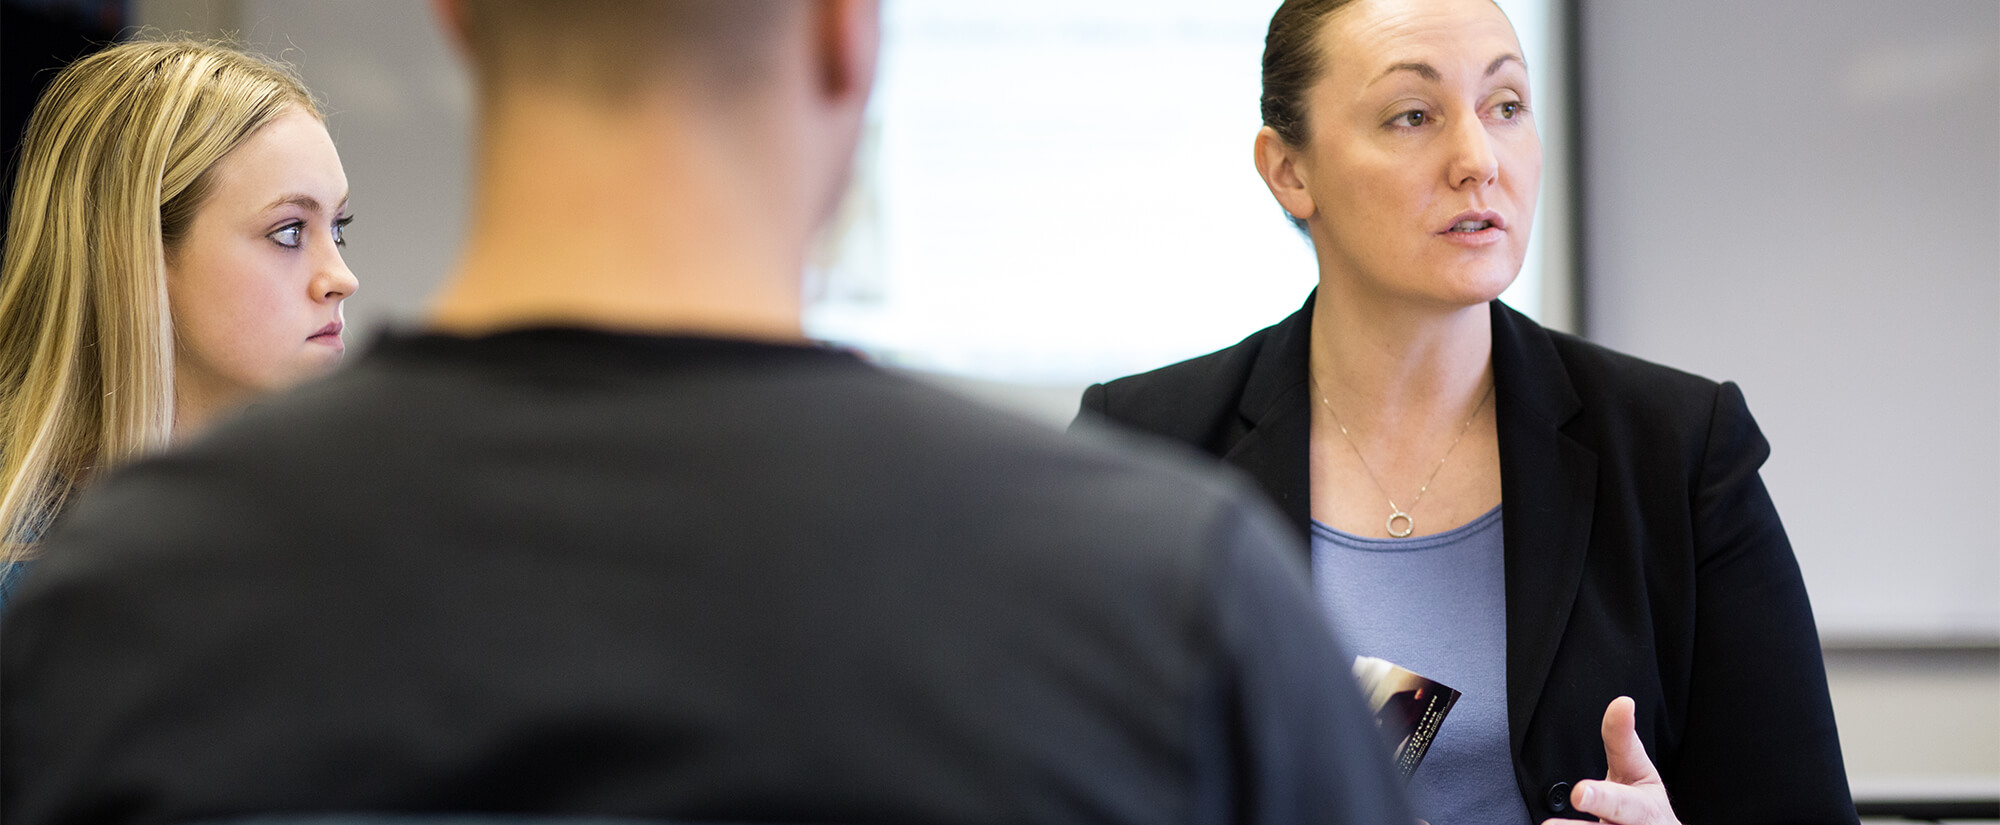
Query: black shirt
x,y
559,571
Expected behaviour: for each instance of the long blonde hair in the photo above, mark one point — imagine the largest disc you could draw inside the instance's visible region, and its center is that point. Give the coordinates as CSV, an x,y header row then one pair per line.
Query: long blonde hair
x,y
115,162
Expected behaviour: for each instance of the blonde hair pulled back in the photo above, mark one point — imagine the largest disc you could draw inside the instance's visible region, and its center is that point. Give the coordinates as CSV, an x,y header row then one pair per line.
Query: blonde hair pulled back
x,y
116,159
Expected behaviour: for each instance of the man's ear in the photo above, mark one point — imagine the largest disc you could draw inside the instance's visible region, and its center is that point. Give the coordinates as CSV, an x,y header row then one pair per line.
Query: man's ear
x,y
450,16
849,34
1280,166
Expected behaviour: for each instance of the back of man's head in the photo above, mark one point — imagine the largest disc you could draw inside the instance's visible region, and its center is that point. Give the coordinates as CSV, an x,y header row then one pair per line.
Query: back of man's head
x,y
671,158
610,49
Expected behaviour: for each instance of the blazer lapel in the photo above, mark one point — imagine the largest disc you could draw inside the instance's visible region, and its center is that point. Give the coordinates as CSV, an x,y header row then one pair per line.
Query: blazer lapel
x,y
1548,480
1275,409
1548,487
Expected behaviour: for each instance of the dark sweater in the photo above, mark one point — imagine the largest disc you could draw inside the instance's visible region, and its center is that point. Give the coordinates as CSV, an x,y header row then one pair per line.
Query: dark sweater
x,y
560,571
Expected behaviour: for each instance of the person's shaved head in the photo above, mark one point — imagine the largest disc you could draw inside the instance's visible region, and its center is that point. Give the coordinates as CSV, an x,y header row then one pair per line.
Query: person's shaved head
x,y
610,48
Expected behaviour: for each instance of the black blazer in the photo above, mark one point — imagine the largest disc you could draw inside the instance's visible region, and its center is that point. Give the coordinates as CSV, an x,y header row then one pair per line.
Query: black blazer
x,y
1643,558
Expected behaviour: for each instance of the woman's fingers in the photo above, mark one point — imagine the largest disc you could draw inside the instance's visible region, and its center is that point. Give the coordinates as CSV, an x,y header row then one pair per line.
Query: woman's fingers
x,y
1631,792
1623,752
1623,804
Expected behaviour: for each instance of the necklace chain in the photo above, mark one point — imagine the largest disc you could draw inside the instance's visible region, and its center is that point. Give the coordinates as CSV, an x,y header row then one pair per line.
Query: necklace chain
x,y
1397,513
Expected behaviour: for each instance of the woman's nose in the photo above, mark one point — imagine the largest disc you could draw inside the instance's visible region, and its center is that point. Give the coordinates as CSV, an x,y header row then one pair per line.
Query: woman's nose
x,y
334,280
1473,162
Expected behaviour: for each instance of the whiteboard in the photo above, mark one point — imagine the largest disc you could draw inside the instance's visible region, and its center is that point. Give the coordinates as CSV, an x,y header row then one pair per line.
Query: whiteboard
x,y
1803,196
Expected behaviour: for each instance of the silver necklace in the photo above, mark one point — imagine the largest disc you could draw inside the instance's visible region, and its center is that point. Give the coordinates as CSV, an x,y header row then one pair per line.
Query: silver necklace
x,y
1398,513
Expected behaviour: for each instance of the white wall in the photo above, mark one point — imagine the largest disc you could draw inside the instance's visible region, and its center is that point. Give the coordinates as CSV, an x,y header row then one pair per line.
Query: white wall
x,y
1800,195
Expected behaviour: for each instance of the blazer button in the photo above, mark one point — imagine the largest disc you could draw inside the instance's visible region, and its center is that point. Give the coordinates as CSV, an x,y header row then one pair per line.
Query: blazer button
x,y
1559,797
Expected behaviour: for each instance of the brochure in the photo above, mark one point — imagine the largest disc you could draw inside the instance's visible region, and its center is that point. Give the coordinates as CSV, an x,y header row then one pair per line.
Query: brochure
x,y
1408,708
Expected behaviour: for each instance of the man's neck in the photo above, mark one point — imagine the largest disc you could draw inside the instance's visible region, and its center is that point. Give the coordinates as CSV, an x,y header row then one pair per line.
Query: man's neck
x,y
644,218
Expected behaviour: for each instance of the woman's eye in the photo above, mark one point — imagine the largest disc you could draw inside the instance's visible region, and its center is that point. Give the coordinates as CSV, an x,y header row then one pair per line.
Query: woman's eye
x,y
1509,109
1410,118
290,237
340,231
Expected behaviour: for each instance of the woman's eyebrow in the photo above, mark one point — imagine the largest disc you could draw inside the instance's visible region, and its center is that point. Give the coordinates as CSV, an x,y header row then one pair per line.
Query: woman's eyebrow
x,y
1423,70
303,201
1502,61
1430,73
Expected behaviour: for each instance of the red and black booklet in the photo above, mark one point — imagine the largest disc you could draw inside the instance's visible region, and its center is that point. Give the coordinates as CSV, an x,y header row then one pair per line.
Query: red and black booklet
x,y
1408,708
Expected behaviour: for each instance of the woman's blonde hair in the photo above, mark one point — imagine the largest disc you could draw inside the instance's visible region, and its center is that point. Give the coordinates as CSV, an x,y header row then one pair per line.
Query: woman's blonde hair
x,y
116,159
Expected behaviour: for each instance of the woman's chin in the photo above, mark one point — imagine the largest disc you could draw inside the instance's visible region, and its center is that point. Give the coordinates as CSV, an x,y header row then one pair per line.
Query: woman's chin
x,y
1435,284
1455,294
317,362
1479,286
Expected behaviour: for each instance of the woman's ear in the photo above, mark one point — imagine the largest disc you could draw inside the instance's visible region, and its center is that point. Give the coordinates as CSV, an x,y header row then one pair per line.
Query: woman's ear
x,y
1279,165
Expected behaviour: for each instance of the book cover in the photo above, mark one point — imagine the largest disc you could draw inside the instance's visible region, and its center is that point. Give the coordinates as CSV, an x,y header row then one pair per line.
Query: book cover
x,y
1408,708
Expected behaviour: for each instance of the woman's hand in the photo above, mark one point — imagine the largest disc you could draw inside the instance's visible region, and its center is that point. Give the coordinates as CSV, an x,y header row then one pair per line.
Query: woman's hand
x,y
1631,792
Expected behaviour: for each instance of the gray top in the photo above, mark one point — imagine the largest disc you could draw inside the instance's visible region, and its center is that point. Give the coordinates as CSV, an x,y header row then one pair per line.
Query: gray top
x,y
1436,605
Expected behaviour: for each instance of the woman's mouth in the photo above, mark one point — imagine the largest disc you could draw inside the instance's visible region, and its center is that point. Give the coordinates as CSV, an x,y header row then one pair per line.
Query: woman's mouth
x,y
1475,228
330,335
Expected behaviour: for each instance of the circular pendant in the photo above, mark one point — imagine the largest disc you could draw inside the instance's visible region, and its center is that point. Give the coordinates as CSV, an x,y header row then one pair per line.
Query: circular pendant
x,y
1409,524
